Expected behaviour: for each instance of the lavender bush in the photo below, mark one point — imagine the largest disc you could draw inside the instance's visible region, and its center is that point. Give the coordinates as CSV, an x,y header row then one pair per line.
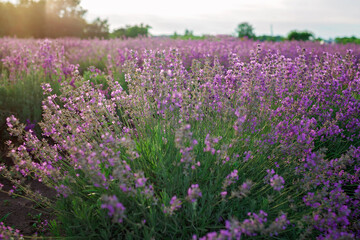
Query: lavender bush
x,y
229,145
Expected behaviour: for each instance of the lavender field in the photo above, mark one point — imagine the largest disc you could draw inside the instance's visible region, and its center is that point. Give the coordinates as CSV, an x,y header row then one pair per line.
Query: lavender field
x,y
155,138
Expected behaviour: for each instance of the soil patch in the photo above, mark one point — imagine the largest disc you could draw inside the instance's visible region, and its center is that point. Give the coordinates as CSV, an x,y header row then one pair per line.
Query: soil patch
x,y
23,214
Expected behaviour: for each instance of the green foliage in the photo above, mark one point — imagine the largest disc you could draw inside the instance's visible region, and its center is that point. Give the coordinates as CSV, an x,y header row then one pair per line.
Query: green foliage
x,y
87,63
81,214
188,35
131,31
300,36
96,77
23,99
245,30
345,40
3,219
267,38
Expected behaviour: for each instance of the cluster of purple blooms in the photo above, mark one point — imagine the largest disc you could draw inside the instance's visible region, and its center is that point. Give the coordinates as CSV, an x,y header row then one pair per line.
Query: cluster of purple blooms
x,y
62,56
276,181
116,209
8,233
22,57
253,226
175,204
194,193
284,102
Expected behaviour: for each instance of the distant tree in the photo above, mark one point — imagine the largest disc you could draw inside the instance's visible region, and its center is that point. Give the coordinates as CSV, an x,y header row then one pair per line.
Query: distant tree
x,y
136,31
65,8
25,19
188,33
245,30
98,28
118,33
345,40
131,31
300,36
64,18
175,35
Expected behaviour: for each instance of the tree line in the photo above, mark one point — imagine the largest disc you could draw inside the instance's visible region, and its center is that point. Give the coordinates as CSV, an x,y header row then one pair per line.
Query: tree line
x,y
247,30
57,18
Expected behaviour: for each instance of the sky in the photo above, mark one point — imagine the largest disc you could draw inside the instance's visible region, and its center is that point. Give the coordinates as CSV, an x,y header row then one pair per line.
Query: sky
x,y
325,18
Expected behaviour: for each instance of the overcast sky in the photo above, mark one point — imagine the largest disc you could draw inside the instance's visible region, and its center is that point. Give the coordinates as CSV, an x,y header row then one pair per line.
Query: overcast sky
x,y
325,18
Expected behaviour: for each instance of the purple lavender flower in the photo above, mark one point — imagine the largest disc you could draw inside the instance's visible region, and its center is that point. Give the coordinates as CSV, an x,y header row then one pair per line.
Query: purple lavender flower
x,y
231,178
175,204
116,209
277,182
248,156
194,193
140,180
63,190
8,233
